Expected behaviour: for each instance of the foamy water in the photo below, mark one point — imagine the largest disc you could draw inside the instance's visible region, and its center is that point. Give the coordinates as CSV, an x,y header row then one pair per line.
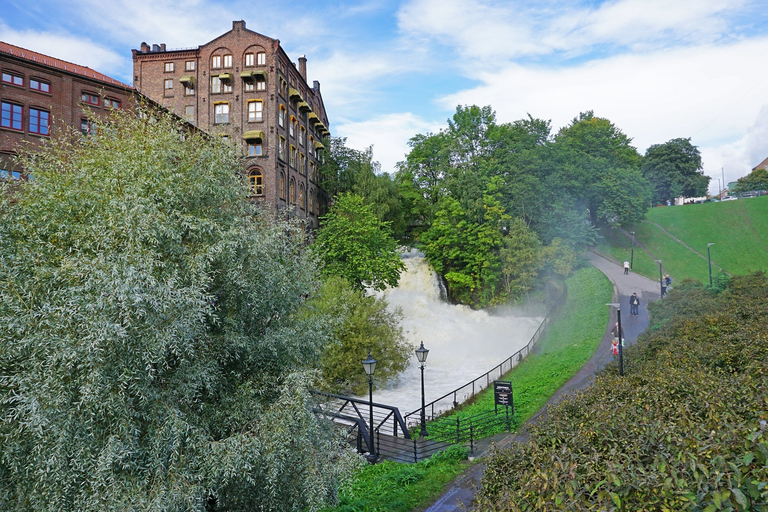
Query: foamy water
x,y
463,344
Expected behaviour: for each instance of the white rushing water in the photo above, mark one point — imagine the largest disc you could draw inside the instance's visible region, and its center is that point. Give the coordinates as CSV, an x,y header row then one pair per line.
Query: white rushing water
x,y
463,343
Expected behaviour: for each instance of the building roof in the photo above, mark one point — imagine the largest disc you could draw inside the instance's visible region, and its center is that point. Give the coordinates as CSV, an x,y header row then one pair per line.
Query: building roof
x,y
761,165
63,65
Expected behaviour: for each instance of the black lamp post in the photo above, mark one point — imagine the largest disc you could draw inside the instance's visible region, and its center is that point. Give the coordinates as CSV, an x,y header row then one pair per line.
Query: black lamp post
x,y
621,338
709,260
421,355
661,283
632,257
369,365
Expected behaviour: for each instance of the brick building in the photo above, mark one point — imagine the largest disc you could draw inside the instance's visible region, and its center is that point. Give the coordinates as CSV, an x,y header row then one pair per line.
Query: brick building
x,y
37,92
243,86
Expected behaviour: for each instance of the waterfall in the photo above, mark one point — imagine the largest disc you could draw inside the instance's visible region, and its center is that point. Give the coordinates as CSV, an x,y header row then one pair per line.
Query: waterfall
x,y
463,343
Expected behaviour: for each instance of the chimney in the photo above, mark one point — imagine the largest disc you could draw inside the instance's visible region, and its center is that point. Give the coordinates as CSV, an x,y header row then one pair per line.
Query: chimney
x,y
303,67
155,47
162,47
238,25
144,47
316,86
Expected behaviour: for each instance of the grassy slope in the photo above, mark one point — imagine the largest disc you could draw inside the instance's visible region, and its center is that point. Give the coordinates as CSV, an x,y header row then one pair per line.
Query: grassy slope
x,y
739,230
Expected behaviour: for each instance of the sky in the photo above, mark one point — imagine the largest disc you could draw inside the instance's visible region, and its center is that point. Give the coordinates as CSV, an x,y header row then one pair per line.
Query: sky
x,y
392,69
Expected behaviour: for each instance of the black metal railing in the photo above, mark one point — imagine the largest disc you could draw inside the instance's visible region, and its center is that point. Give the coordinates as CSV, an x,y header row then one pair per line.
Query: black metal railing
x,y
385,417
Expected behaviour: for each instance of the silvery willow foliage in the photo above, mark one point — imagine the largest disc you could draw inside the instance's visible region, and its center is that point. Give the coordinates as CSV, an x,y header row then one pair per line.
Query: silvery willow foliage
x,y
150,354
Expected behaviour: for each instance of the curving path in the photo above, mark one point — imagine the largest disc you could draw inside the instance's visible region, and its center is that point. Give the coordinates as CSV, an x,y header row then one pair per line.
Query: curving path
x,y
458,497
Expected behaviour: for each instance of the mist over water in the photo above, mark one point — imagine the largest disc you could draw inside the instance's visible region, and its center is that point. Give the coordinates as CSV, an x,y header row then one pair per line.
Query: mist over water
x,y
463,343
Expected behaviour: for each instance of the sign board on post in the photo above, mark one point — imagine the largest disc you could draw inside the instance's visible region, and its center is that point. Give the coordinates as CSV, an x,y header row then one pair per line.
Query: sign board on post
x,y
502,392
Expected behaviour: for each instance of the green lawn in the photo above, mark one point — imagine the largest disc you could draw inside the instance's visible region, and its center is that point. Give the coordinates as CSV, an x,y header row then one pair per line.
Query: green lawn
x,y
739,230
568,343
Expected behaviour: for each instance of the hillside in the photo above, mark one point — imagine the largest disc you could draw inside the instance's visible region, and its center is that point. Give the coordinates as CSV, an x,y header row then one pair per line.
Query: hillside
x,y
679,235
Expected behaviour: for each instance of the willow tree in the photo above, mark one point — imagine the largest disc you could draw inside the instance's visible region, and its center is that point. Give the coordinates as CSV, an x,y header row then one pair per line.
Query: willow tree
x,y
151,357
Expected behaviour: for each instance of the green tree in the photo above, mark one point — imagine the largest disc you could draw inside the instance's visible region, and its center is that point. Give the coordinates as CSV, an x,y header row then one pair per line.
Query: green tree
x,y
674,169
346,170
151,356
356,245
756,180
592,160
465,251
362,324
519,255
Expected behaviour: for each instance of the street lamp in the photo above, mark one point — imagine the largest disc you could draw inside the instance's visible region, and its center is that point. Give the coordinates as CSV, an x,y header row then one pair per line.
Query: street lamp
x,y
369,365
632,257
661,283
621,338
709,259
421,355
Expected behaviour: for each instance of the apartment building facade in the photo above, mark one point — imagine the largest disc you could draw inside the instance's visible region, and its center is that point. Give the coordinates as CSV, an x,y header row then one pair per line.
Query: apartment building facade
x,y
242,86
39,93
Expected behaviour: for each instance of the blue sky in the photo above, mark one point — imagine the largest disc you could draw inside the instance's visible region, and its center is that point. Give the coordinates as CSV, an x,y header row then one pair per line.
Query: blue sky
x,y
658,69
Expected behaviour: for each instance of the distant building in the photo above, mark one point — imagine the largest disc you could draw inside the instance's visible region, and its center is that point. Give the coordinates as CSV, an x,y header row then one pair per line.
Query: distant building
x,y
38,91
243,86
761,165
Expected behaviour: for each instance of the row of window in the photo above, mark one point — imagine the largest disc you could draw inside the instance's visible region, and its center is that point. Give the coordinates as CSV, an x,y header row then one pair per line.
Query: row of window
x,y
95,100
17,79
12,117
222,61
218,85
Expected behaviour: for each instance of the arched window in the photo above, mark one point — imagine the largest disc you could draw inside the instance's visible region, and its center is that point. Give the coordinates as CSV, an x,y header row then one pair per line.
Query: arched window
x,y
282,185
292,191
256,182
311,200
301,197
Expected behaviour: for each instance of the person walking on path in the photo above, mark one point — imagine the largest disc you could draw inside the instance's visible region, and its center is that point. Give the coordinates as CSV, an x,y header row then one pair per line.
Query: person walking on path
x,y
634,304
626,267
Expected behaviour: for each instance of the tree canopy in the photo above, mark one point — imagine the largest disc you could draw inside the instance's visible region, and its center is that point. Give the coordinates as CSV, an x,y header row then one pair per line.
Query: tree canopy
x,y
354,244
674,170
152,357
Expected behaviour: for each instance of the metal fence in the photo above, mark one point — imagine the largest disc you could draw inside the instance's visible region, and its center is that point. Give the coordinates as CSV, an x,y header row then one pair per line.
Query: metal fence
x,y
461,394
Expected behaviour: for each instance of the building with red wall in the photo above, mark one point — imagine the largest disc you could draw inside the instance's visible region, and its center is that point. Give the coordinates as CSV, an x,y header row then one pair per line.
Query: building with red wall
x,y
39,93
244,87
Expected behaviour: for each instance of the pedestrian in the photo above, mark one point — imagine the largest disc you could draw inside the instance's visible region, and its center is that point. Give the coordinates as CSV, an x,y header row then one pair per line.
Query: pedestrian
x,y
615,349
626,267
668,281
615,331
634,303
663,287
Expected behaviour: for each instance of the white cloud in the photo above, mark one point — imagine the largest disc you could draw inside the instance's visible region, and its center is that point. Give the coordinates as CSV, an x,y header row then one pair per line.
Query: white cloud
x,y
390,132
75,49
487,30
708,93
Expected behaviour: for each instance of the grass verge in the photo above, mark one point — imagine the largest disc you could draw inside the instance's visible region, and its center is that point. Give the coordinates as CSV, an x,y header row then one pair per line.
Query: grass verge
x,y
739,230
569,342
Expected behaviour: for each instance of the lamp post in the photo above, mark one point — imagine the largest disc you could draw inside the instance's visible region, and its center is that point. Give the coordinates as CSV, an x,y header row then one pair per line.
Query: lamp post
x,y
709,260
661,283
632,257
621,338
369,365
421,355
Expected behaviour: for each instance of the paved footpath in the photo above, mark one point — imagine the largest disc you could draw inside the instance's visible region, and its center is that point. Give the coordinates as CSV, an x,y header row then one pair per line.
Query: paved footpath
x,y
458,497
